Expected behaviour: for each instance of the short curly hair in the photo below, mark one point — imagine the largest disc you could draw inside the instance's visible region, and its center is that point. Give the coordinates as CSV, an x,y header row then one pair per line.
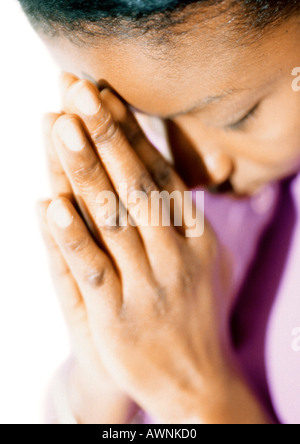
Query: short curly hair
x,y
111,17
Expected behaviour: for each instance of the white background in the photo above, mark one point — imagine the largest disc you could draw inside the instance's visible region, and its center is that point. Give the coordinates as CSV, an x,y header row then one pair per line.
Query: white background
x,y
33,339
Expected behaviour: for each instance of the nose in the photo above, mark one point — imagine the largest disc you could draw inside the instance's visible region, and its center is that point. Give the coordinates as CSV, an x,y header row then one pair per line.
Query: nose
x,y
219,166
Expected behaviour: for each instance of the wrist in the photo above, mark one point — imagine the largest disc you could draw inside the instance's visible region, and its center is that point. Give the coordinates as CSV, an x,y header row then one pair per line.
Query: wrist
x,y
98,402
223,399
237,404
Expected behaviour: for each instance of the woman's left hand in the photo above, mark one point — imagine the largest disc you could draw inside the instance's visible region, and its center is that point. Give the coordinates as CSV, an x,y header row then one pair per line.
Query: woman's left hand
x,y
158,302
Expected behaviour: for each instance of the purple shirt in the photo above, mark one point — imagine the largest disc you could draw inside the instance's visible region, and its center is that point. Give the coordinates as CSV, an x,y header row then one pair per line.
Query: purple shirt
x,y
262,232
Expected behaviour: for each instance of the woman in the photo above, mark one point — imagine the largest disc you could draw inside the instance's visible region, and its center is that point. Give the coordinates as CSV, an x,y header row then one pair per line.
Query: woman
x,y
150,310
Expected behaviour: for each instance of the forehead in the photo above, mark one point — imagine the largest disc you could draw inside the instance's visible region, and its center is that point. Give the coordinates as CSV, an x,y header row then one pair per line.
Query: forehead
x,y
206,62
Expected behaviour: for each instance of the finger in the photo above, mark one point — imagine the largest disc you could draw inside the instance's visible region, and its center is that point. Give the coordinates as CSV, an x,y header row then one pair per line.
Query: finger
x,y
123,166
160,169
186,207
69,296
59,182
91,268
71,300
91,187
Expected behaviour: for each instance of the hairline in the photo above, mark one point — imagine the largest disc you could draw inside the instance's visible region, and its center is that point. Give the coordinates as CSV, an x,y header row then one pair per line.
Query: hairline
x,y
85,33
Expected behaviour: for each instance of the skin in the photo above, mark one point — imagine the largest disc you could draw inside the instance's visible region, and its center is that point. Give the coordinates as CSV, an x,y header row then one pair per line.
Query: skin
x,y
263,149
111,285
124,319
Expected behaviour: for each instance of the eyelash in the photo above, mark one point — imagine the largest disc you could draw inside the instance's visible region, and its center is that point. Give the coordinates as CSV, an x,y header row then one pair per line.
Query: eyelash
x,y
242,122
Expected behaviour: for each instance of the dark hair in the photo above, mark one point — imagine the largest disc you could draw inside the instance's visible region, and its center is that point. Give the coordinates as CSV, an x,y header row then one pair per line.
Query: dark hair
x,y
112,17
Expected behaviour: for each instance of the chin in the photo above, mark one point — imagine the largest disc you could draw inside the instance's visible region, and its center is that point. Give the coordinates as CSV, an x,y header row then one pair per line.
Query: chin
x,y
242,189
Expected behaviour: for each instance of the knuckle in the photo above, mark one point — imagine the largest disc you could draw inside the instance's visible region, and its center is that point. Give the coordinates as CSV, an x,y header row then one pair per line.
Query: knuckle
x,y
77,245
116,222
134,136
160,302
146,184
114,229
186,279
88,173
162,172
106,130
96,278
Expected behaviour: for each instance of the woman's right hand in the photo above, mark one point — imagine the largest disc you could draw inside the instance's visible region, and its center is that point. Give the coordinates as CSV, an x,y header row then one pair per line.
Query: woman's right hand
x,y
93,395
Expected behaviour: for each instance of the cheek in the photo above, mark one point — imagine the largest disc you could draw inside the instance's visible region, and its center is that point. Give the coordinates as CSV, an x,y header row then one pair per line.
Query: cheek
x,y
279,149
287,150
277,132
249,176
273,143
264,162
261,162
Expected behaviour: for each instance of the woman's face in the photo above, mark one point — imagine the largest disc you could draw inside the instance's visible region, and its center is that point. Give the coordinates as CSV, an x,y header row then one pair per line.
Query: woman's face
x,y
232,101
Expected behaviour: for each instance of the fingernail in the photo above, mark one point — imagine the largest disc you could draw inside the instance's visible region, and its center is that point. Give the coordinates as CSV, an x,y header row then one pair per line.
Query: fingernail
x,y
60,214
72,136
87,102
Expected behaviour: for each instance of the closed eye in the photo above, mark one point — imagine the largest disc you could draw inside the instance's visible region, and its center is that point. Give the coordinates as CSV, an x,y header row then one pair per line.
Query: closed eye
x,y
242,122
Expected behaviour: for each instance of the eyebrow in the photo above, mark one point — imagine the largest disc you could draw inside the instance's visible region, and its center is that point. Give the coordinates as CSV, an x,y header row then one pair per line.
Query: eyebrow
x,y
205,102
